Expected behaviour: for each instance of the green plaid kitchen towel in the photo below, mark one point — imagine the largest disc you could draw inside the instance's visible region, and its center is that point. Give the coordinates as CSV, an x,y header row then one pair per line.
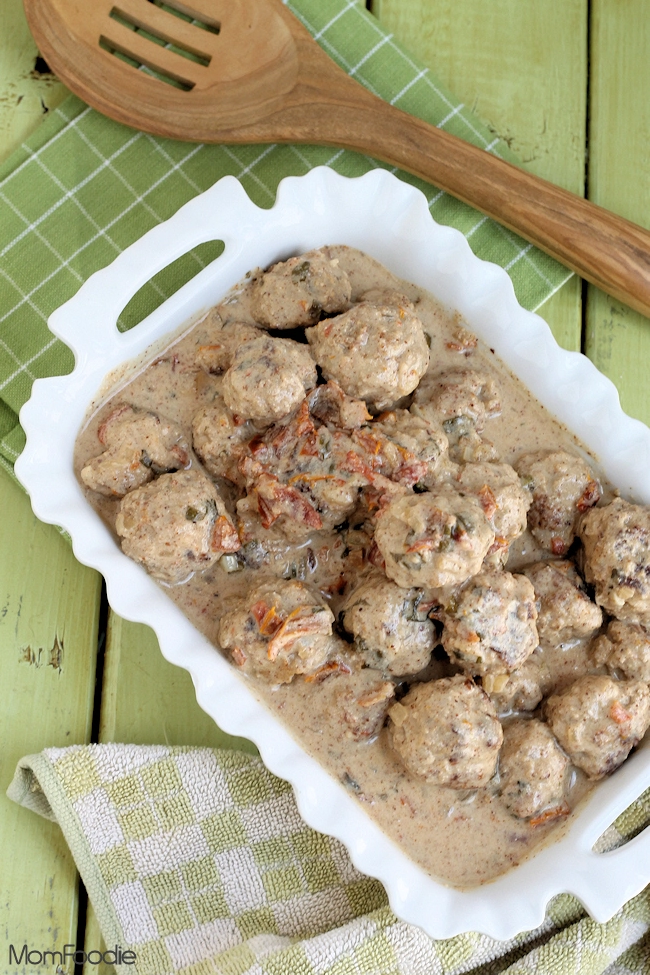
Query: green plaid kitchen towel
x,y
198,862
83,188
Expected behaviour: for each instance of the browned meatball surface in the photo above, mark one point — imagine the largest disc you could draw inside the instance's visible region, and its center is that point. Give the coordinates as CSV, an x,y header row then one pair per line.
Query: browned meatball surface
x,y
297,291
625,650
563,486
598,721
489,627
377,353
503,499
456,393
220,342
268,378
330,404
298,474
447,732
532,770
433,539
175,525
360,702
407,441
565,610
279,630
219,438
616,540
390,632
520,690
138,445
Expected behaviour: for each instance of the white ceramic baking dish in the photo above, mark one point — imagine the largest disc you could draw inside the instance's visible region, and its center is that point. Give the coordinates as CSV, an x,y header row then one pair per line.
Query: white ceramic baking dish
x,y
389,220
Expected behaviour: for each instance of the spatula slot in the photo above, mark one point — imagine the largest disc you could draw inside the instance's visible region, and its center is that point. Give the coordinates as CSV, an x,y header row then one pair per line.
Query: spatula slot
x,y
184,12
153,70
160,37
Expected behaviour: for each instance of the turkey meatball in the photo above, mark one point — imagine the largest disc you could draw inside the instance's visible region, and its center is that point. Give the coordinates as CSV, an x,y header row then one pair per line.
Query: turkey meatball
x,y
565,610
219,439
616,540
295,292
625,650
532,769
219,342
503,499
489,627
521,690
297,472
138,446
457,393
175,525
390,632
563,486
598,721
433,540
447,732
268,378
359,701
329,404
279,630
409,443
377,353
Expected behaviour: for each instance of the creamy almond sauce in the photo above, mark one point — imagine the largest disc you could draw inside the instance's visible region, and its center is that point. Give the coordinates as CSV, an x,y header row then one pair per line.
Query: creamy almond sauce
x,y
461,838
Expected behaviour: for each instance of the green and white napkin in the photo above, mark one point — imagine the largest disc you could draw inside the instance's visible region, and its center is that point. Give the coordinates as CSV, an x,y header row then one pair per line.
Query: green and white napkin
x,y
198,862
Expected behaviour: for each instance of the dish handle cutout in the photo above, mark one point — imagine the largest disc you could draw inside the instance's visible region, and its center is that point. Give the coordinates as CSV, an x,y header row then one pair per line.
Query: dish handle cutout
x,y
602,877
92,321
167,282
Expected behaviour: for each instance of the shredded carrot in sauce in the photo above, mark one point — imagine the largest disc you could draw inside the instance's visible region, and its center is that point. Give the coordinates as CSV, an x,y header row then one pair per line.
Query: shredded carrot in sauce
x,y
310,478
295,626
549,815
618,713
498,543
424,545
332,667
488,500
270,623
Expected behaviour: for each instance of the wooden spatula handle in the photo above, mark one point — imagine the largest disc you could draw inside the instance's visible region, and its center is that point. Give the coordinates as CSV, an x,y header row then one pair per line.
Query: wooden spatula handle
x,y
270,82
606,249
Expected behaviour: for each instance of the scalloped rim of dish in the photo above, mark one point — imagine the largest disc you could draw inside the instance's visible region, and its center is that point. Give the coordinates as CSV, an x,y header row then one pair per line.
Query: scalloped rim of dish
x,y
389,220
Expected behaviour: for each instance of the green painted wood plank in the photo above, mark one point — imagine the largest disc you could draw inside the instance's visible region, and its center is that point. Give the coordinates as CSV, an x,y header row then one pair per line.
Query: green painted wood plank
x,y
522,67
48,640
25,95
618,339
147,700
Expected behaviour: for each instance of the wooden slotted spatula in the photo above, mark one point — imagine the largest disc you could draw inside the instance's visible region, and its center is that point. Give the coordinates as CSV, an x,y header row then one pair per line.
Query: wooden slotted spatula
x,y
247,71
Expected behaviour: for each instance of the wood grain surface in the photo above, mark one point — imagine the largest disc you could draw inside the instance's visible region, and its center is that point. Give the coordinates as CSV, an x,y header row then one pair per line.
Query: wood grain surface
x,y
617,339
27,90
523,67
264,79
49,606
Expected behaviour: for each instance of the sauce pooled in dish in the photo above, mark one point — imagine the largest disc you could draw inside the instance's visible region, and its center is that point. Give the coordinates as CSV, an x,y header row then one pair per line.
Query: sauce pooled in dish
x,y
417,568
